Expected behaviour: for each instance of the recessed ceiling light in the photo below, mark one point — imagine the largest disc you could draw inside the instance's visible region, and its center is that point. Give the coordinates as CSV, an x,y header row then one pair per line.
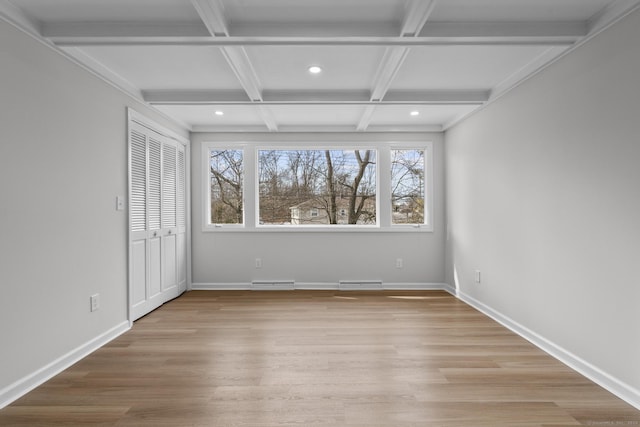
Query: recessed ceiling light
x,y
314,69
415,113
219,113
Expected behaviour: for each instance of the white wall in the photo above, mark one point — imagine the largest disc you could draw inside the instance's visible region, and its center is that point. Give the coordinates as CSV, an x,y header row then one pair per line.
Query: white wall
x,y
63,161
543,196
310,257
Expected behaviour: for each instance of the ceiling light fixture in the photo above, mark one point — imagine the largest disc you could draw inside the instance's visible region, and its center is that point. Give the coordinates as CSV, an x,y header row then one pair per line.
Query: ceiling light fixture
x,y
415,113
314,69
219,113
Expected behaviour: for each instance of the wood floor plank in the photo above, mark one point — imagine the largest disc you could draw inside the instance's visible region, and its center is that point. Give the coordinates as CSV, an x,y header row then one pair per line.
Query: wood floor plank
x,y
322,359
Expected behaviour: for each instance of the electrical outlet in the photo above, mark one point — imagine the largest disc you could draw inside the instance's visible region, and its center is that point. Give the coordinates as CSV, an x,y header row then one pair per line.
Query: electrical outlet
x,y
399,263
258,262
477,276
95,302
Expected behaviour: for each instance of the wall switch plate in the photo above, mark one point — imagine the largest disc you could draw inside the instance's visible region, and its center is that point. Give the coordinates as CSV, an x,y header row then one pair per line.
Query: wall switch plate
x,y
119,203
258,262
399,263
477,276
95,302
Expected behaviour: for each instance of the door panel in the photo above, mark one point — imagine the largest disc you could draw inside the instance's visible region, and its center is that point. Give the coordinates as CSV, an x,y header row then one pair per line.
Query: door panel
x,y
181,243
169,262
155,267
139,274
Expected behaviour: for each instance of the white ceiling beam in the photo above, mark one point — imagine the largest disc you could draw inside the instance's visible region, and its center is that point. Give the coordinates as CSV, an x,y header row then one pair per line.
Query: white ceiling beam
x,y
366,117
268,118
314,128
211,13
461,40
198,33
242,67
389,67
436,32
416,15
209,97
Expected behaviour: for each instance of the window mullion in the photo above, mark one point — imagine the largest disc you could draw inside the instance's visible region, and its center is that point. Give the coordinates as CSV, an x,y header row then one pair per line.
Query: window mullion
x,y
250,185
384,186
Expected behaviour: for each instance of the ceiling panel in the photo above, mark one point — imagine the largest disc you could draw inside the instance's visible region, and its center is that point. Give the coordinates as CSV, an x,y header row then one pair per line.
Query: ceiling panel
x,y
292,11
109,11
167,67
317,115
204,115
286,67
517,10
462,67
429,115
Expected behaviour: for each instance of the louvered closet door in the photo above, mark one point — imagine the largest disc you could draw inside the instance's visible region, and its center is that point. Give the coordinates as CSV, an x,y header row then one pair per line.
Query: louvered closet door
x,y
169,249
157,218
181,218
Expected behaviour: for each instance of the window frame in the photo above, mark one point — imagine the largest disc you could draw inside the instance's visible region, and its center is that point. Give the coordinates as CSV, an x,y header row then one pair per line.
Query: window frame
x,y
427,187
206,194
251,194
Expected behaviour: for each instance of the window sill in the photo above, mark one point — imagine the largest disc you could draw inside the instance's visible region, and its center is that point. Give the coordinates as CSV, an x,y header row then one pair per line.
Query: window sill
x,y
318,229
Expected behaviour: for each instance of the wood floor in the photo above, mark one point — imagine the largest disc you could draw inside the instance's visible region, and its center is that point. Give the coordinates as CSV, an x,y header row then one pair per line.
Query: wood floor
x,y
318,358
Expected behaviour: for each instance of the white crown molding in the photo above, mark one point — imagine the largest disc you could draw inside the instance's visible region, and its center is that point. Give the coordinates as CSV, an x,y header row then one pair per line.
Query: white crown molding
x,y
14,15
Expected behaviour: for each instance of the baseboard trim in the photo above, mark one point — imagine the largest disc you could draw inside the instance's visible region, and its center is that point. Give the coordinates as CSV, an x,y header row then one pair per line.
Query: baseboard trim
x,y
321,286
621,389
24,385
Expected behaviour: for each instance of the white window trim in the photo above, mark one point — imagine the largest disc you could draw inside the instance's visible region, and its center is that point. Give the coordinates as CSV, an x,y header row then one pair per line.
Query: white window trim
x,y
383,175
206,190
428,187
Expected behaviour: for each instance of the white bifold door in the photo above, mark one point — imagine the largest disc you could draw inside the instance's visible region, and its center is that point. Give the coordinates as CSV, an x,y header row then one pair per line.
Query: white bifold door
x,y
157,209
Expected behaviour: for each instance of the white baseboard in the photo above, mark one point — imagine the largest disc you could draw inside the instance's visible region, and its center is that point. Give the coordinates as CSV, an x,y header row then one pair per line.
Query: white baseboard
x,y
221,286
415,286
621,389
24,385
320,286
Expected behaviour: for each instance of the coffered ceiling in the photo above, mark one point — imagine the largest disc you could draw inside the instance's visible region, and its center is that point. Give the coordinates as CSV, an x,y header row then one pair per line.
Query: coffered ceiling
x,y
380,60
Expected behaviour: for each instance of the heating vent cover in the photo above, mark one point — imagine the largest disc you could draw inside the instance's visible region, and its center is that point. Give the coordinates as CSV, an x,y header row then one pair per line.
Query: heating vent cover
x,y
272,285
360,284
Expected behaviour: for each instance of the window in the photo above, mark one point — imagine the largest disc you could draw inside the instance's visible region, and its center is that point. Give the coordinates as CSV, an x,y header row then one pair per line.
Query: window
x,y
280,186
311,187
226,172
407,186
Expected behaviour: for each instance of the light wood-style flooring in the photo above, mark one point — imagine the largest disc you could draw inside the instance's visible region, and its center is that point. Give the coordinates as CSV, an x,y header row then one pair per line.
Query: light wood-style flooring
x,y
319,358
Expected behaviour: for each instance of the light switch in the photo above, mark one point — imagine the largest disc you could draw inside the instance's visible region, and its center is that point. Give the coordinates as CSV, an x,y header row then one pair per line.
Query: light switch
x,y
119,203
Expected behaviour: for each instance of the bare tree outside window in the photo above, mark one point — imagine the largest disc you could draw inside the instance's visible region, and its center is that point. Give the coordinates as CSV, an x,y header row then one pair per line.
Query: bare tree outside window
x,y
226,172
407,186
313,187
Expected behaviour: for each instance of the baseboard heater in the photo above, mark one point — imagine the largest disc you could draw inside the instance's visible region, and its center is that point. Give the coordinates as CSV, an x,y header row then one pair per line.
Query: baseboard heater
x,y
272,285
351,285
